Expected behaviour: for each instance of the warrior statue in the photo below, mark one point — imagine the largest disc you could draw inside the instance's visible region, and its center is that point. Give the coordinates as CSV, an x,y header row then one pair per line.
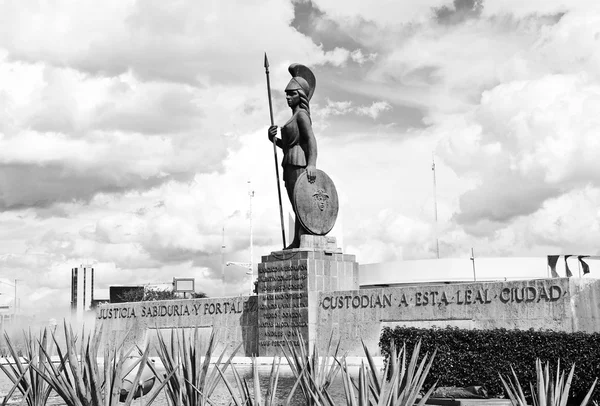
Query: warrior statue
x,y
308,189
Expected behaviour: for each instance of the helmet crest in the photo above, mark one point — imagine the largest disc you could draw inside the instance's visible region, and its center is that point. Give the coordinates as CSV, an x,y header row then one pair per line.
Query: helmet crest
x,y
303,78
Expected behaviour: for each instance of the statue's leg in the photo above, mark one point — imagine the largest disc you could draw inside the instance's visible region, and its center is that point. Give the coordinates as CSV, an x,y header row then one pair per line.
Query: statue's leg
x,y
291,174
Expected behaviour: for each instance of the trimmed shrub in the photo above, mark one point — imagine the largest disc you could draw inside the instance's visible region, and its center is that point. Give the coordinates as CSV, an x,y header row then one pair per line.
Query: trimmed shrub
x,y
476,357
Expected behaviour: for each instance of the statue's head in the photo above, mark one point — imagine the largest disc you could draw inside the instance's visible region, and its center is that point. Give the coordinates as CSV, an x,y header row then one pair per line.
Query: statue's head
x,y
300,84
297,97
303,80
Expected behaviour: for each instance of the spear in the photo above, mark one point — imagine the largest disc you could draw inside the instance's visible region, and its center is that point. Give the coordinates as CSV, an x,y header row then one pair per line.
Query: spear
x,y
275,150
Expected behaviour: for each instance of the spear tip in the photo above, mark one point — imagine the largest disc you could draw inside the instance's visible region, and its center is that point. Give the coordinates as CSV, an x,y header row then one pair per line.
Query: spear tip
x,y
266,61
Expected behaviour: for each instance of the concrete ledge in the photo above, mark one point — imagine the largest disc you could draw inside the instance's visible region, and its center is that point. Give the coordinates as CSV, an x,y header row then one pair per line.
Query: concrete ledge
x,y
350,361
468,402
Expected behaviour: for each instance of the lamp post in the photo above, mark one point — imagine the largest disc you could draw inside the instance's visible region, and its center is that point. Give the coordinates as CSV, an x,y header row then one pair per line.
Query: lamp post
x,y
15,298
15,308
249,265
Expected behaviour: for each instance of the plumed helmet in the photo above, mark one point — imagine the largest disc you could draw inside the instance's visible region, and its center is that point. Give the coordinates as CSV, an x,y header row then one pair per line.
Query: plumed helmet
x,y
302,79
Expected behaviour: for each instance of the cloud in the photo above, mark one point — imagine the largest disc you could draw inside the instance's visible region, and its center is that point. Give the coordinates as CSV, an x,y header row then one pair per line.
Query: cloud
x,y
509,96
568,223
334,108
158,41
358,56
536,7
340,108
460,11
374,110
383,12
72,136
128,109
173,223
533,140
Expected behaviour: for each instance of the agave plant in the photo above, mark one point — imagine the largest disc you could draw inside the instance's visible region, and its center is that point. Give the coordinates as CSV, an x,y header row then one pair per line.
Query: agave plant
x,y
550,390
34,389
189,380
79,379
403,388
246,397
314,374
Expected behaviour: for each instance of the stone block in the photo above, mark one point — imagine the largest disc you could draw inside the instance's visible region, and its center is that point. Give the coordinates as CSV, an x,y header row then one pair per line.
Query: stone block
x,y
318,243
320,270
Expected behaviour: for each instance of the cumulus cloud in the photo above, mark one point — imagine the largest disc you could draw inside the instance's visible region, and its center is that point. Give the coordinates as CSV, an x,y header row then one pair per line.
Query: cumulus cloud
x,y
374,110
339,108
459,12
115,99
358,56
532,141
334,108
384,12
158,41
509,92
568,223
73,136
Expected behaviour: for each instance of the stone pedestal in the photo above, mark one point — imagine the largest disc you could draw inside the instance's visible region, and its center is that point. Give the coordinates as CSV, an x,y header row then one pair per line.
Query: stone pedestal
x,y
288,286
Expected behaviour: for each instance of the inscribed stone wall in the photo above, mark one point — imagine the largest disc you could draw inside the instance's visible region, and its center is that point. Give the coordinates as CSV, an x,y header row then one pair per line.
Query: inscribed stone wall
x,y
292,298
234,320
538,304
585,305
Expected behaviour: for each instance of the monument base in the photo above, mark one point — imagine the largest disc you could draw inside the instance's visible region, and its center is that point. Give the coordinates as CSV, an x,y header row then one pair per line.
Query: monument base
x,y
289,282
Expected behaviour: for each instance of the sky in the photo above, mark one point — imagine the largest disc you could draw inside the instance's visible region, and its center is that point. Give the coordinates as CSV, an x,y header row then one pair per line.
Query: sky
x,y
132,133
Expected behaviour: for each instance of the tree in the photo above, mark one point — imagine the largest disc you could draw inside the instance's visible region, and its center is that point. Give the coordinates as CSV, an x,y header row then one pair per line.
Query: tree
x,y
149,295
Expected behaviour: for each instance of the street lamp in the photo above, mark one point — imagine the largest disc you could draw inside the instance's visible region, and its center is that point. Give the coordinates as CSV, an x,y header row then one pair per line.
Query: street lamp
x,y
15,303
249,265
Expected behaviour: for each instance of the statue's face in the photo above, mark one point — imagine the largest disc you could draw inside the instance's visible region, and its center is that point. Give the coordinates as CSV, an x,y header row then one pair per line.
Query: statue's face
x,y
292,97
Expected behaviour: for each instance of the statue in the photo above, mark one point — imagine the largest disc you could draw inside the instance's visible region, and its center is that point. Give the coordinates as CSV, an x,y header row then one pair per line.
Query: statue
x,y
311,192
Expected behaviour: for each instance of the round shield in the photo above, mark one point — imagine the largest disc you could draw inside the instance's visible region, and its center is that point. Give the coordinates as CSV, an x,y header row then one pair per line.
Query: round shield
x,y
316,204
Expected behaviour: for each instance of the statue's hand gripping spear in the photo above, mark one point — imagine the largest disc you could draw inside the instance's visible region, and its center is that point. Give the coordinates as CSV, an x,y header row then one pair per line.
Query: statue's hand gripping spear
x,y
275,150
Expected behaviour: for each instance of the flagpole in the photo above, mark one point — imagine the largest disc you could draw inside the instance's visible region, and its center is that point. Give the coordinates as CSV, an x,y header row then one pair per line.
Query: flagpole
x,y
223,260
251,194
435,211
275,151
473,259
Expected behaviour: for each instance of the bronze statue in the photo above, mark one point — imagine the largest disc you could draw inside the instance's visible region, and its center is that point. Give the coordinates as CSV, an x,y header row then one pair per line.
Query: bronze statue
x,y
297,139
300,159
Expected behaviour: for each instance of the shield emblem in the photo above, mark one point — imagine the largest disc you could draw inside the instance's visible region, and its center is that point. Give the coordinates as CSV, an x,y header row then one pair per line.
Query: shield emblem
x,y
316,204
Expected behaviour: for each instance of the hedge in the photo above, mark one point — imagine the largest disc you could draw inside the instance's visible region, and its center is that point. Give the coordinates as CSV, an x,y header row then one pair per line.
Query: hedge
x,y
476,357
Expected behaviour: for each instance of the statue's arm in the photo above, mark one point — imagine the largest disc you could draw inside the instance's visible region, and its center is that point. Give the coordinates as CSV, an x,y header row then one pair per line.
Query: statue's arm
x,y
306,131
273,135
